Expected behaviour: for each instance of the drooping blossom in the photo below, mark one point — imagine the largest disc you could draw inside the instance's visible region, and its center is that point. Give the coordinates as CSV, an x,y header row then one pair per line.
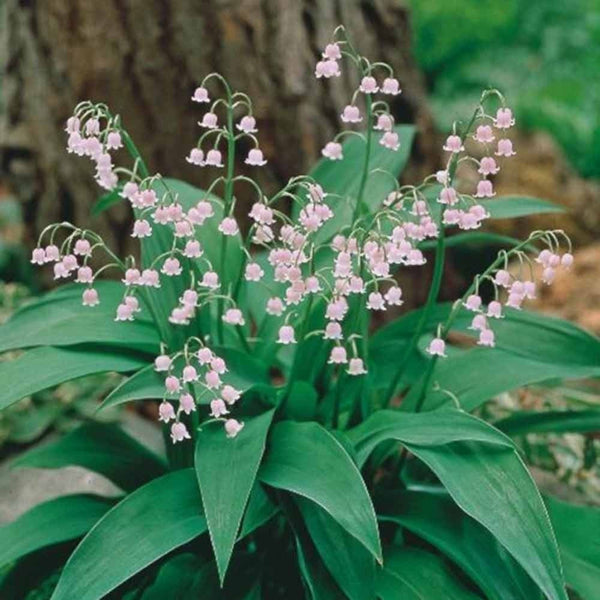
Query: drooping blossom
x,y
437,347
179,432
332,151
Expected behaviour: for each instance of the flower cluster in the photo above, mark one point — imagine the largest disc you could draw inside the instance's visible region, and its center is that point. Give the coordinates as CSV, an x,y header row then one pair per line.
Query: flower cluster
x,y
333,254
514,289
202,368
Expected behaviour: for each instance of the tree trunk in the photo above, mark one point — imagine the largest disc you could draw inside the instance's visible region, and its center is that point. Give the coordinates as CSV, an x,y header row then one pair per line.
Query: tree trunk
x,y
144,58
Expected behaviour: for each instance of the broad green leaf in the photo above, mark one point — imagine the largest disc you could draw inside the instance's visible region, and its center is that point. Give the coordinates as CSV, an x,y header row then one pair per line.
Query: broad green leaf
x,y
184,577
473,238
530,348
343,177
349,563
435,518
259,510
316,578
492,485
100,447
577,530
59,520
433,428
244,372
143,385
502,207
301,403
521,332
59,319
226,470
155,519
336,485
564,421
412,574
44,367
497,371
508,207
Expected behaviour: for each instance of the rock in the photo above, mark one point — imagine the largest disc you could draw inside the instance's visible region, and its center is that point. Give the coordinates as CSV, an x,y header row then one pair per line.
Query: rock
x,y
22,489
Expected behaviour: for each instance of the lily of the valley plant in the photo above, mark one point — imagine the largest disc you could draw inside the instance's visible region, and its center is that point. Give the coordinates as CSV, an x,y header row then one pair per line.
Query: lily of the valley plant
x,y
308,455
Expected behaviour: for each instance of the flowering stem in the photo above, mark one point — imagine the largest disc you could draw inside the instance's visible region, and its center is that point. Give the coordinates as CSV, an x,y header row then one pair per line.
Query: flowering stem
x,y
337,399
228,200
500,260
365,172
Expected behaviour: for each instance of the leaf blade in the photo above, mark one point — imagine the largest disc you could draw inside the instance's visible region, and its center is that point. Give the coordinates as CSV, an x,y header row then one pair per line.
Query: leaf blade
x,y
150,522
46,366
337,486
239,458
52,522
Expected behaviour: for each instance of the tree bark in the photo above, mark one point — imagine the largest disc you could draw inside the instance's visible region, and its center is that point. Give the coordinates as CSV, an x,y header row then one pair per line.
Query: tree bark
x,y
144,58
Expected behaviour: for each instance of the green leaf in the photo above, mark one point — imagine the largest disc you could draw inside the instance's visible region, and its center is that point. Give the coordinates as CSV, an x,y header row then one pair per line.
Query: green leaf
x,y
498,371
440,522
411,574
508,207
259,511
226,470
337,485
59,319
106,201
155,519
59,520
530,348
352,567
100,447
184,577
492,485
576,529
317,580
143,385
343,177
44,367
552,421
244,372
301,402
423,429
473,238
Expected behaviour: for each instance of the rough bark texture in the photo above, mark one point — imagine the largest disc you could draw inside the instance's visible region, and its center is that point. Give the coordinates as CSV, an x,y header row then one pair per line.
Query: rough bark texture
x,y
145,57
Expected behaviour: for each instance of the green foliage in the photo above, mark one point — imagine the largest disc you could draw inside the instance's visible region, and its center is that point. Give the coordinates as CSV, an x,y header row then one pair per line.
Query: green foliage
x,y
225,498
542,55
336,486
412,574
580,555
53,522
434,517
330,490
146,525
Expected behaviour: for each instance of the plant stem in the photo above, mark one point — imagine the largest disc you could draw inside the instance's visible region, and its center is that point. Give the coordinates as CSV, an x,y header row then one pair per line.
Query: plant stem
x,y
337,399
228,201
365,172
457,306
